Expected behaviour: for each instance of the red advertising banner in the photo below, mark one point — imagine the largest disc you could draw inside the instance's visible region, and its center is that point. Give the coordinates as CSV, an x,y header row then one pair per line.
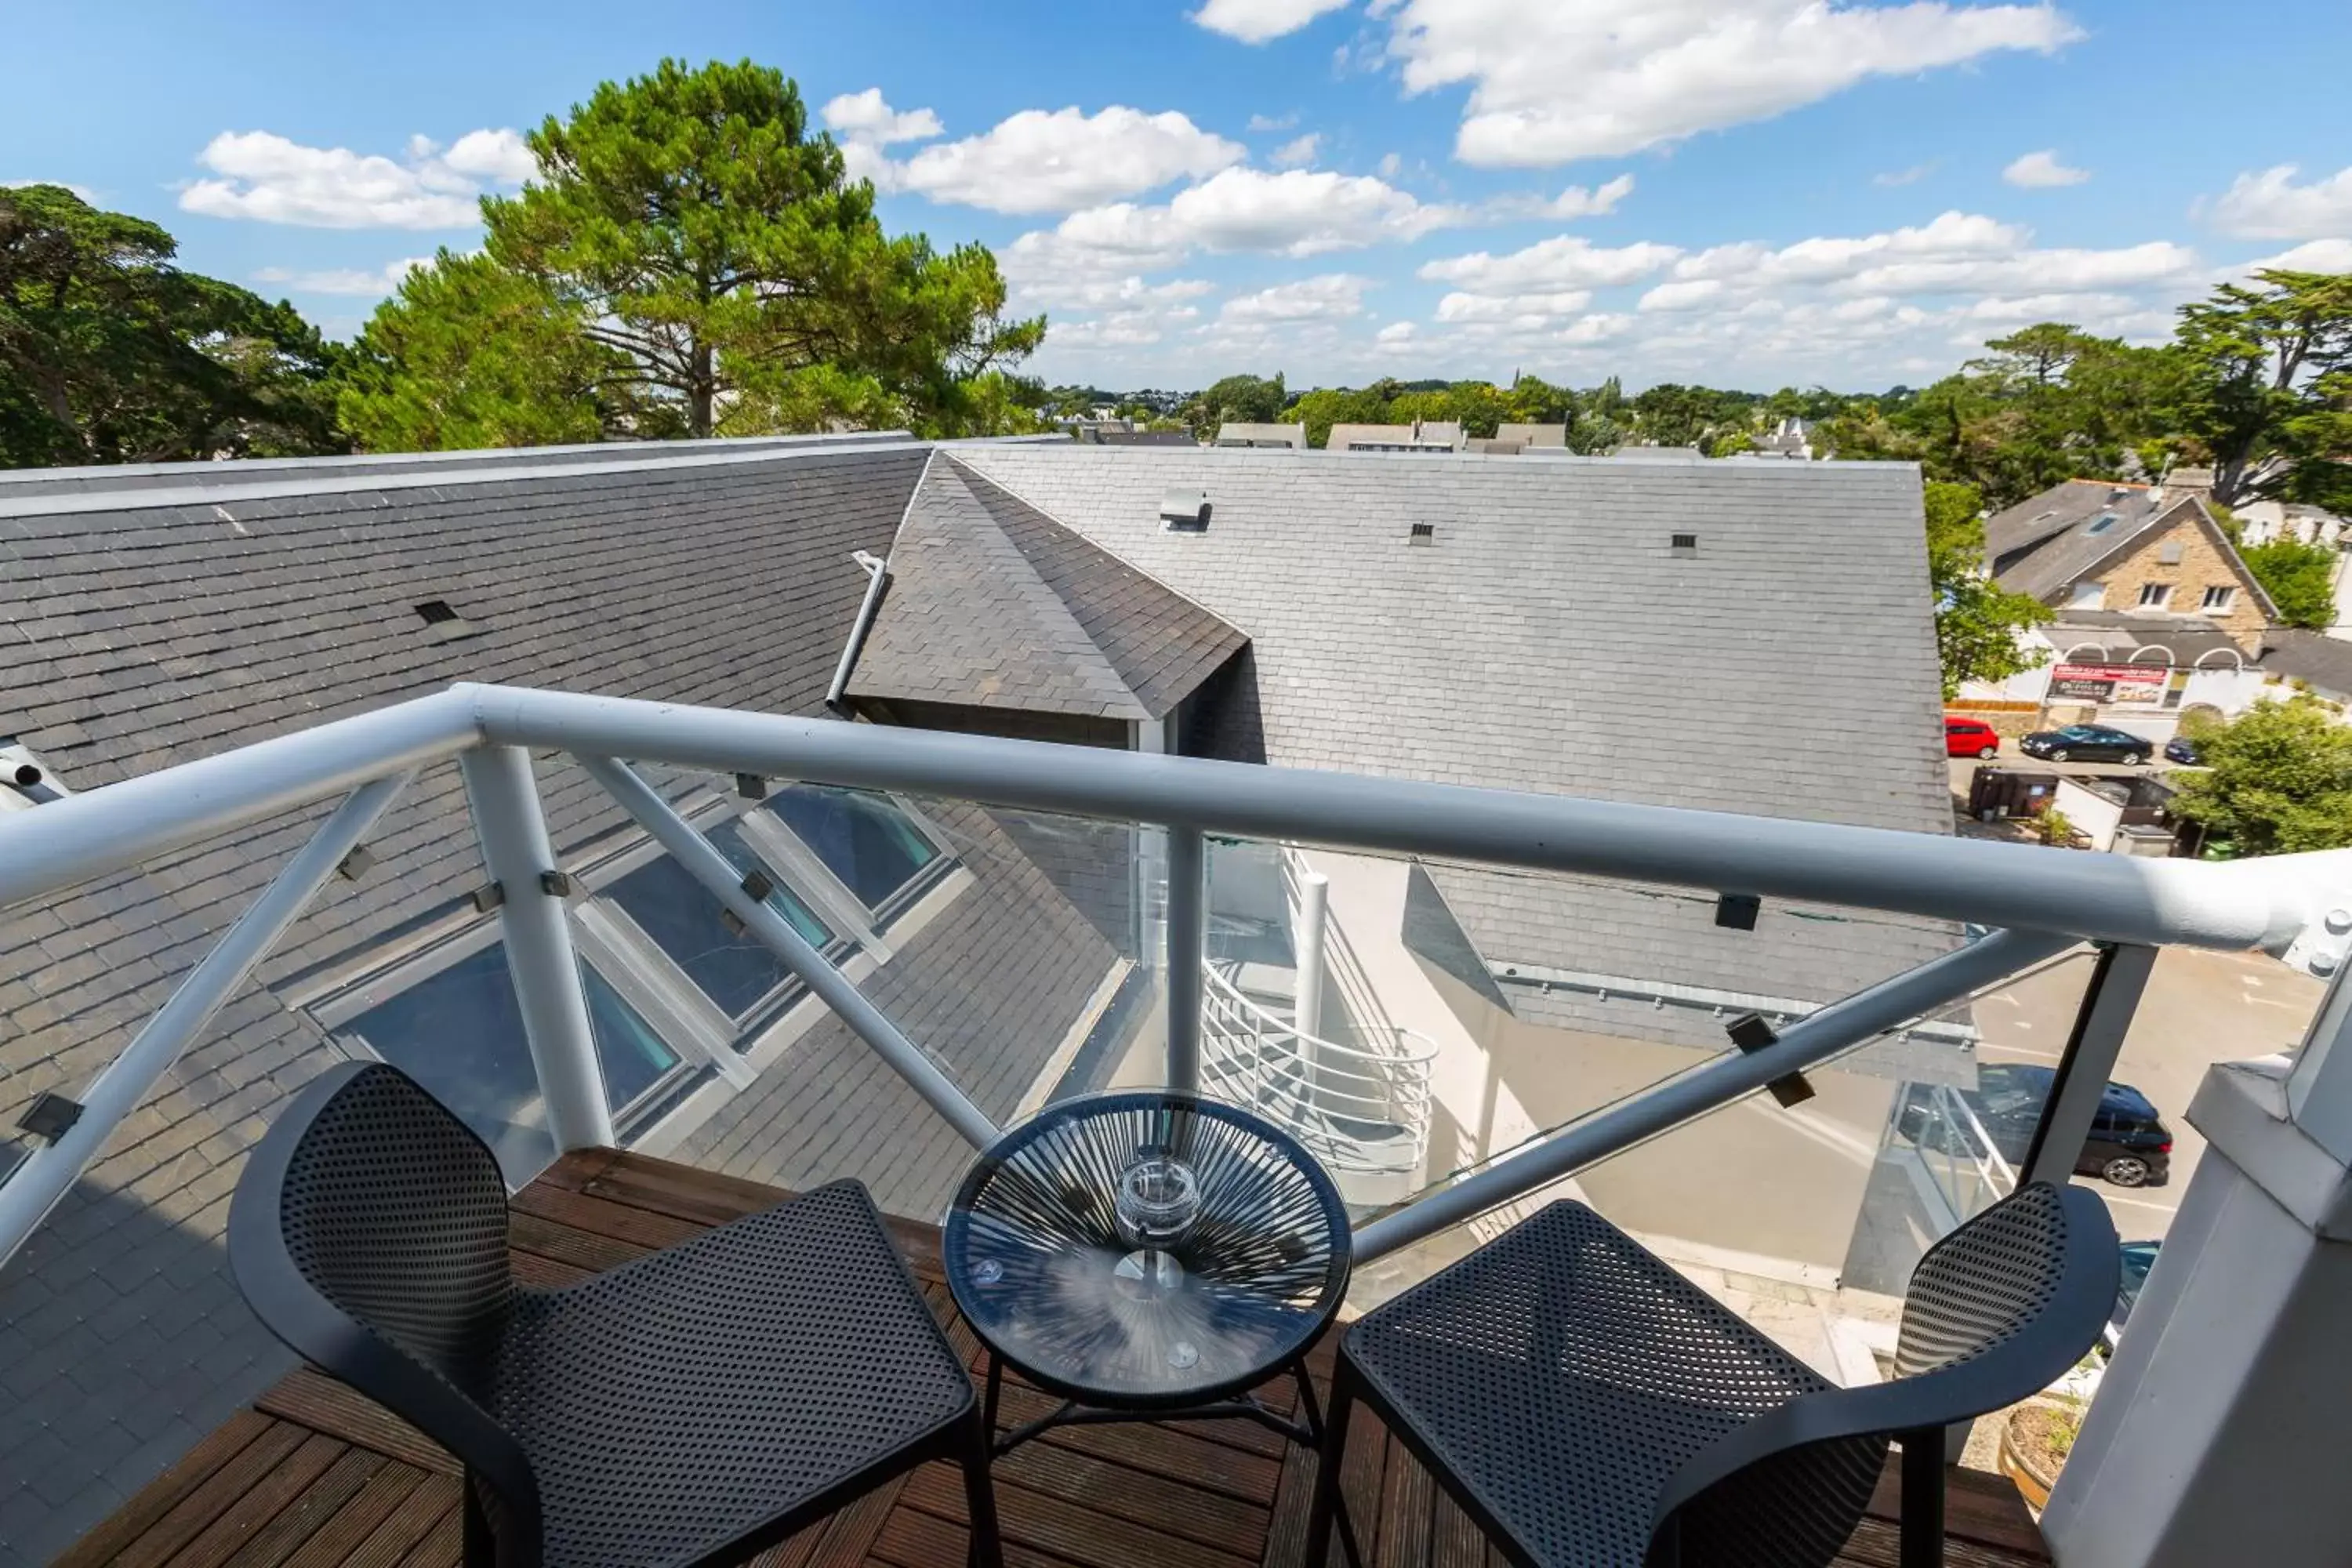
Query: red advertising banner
x,y
2136,683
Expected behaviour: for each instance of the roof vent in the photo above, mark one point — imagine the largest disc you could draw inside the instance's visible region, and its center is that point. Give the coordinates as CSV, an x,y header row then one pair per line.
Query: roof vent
x,y
24,781
446,623
1683,544
1422,533
1185,512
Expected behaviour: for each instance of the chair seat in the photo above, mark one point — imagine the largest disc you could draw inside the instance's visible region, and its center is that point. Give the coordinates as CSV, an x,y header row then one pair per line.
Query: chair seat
x,y
682,1402
1562,1376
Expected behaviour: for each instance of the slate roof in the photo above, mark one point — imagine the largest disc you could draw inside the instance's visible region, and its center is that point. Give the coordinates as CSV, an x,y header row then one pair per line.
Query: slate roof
x,y
154,627
1545,637
2010,534
2322,660
992,604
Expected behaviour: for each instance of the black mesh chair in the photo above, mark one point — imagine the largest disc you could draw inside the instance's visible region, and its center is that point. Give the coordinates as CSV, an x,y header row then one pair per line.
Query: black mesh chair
x,y
1587,1405
691,1407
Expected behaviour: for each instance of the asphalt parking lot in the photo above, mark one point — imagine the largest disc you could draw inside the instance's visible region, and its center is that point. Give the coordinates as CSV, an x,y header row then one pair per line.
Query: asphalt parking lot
x,y
2199,1008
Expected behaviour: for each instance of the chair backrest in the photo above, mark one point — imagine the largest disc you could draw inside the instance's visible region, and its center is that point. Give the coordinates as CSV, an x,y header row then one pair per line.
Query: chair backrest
x,y
1995,1311
369,1232
1997,1277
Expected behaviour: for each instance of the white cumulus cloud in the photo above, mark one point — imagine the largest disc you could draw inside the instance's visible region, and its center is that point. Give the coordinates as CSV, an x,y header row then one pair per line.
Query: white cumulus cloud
x,y
375,283
869,117
1566,262
1057,160
1588,78
2270,206
1331,297
1257,21
268,178
1296,153
2042,171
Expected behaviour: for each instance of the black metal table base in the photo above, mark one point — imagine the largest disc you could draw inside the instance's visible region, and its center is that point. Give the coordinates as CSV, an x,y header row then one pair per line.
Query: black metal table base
x,y
1306,1429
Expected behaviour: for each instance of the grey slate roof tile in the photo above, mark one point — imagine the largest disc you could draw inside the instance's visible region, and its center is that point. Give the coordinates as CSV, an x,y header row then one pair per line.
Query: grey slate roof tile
x,y
1548,641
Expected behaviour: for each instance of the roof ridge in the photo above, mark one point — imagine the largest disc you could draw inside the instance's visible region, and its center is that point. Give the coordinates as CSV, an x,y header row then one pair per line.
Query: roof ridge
x,y
160,498
1173,592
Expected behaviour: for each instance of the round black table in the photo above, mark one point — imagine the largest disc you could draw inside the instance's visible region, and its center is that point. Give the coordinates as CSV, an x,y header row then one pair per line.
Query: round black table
x,y
1180,1329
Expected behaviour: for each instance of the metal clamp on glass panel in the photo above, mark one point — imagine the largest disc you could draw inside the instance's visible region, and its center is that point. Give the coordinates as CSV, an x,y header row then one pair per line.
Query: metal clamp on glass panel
x,y
1752,1032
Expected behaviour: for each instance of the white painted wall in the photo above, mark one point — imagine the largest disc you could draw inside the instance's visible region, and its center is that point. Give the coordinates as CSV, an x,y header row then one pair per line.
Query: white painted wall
x,y
2096,815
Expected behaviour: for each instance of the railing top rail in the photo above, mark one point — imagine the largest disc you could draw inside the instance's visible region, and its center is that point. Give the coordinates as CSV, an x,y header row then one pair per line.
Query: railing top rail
x,y
2106,896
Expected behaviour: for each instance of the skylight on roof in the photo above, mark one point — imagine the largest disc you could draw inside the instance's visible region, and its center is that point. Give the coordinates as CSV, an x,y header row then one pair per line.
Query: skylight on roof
x,y
2106,519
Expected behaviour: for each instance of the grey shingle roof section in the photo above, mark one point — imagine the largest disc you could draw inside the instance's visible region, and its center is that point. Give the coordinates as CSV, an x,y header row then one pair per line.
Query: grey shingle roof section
x,y
2322,660
1547,639
993,604
147,635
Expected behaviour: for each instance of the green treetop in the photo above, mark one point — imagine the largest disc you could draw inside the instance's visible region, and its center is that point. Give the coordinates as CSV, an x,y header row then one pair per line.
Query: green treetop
x,y
691,260
2277,779
109,354
1977,620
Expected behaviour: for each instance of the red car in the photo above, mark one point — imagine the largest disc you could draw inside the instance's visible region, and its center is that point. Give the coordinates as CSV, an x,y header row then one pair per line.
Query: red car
x,y
1970,738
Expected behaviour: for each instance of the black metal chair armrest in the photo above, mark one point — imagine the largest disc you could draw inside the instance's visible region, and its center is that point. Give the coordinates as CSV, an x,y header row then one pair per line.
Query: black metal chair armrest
x,y
2017,1367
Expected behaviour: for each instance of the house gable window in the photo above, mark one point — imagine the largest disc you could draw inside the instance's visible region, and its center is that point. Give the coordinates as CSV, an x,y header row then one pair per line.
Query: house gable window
x,y
2087,597
2218,597
2155,596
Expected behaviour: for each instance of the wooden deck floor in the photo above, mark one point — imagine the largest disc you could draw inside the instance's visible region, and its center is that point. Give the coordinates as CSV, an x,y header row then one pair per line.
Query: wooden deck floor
x,y
316,1477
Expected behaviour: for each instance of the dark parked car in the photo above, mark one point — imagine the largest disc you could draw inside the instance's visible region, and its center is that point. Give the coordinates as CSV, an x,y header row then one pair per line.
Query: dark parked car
x,y
1970,738
2137,1259
2087,744
2129,1144
2181,748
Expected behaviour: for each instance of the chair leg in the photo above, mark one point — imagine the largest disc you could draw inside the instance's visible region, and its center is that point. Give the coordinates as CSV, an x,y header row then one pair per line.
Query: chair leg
x,y
1923,1497
979,1499
481,1548
1328,1502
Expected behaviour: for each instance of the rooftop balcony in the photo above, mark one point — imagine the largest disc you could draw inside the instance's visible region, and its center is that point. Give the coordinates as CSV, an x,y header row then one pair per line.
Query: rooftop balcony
x,y
318,1475
1265,936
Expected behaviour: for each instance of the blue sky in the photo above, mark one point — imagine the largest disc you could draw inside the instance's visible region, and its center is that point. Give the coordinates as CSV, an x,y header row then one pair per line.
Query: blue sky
x,y
1742,192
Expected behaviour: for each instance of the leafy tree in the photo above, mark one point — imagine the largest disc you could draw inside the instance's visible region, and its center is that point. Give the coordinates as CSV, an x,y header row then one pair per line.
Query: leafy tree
x,y
2277,779
1243,399
1327,405
709,265
1535,401
469,353
2299,579
109,353
1977,620
2263,357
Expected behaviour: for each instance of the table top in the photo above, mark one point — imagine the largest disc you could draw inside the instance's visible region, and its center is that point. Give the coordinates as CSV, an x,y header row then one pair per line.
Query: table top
x,y
1041,1270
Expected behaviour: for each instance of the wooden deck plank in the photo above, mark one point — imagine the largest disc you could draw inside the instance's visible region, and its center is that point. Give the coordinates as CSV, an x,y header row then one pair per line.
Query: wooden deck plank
x,y
318,1402
302,1516
319,1476
212,1497
259,1508
114,1534
340,1538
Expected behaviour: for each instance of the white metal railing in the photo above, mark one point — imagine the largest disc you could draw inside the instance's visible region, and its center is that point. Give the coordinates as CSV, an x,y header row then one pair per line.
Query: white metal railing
x,y
1360,1108
1967,1171
2036,902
